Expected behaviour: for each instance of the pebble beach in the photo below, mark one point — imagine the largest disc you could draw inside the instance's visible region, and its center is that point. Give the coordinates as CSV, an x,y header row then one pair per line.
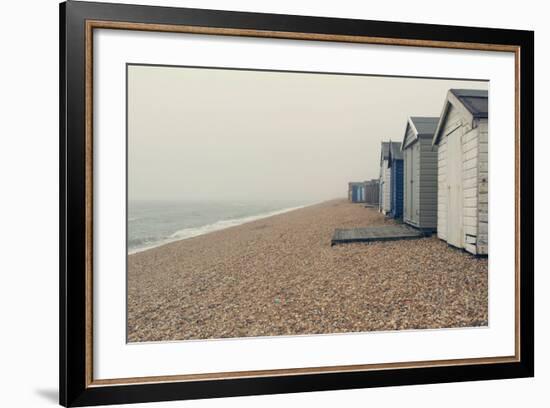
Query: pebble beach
x,y
280,276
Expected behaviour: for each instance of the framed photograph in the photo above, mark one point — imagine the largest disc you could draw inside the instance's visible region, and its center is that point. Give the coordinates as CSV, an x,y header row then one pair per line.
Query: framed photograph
x,y
256,203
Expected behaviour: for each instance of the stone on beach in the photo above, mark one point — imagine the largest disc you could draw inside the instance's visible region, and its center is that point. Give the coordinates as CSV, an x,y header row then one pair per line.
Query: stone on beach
x,y
280,276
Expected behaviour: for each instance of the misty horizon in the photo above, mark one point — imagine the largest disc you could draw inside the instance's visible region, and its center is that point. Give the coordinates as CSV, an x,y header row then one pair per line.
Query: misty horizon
x,y
200,134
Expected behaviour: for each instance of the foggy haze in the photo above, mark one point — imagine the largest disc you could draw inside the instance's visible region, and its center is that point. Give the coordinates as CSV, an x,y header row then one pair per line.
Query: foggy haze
x,y
211,134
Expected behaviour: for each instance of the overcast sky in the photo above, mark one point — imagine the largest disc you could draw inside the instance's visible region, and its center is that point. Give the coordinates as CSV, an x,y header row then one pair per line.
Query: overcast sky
x,y
201,134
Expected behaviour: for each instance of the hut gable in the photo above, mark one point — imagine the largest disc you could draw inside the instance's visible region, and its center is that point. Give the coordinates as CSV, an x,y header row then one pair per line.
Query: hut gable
x,y
462,140
410,135
419,127
470,106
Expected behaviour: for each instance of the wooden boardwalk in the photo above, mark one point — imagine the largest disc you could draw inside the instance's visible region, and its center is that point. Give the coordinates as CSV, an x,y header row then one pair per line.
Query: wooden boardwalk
x,y
372,234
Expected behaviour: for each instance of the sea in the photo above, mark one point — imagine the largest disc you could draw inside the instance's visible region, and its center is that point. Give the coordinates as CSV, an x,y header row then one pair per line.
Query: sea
x,y
155,223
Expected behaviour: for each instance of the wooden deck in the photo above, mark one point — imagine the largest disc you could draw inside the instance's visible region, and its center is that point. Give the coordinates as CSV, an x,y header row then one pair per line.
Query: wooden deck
x,y
372,234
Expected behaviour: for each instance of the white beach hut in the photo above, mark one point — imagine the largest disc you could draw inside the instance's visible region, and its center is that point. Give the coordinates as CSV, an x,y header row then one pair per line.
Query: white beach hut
x,y
385,179
462,172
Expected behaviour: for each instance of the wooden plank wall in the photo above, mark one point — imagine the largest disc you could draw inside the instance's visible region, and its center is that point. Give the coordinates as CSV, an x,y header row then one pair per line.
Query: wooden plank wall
x,y
470,153
386,175
426,183
483,203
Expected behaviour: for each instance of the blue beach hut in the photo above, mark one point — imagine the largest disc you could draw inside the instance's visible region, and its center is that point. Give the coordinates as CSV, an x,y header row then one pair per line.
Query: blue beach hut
x,y
395,163
356,192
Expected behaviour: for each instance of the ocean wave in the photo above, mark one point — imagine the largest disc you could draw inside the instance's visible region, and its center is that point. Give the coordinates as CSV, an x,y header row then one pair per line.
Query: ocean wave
x,y
192,232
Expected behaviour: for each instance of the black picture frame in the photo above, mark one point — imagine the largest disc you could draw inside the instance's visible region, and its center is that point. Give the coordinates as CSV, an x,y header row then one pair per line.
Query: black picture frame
x,y
73,301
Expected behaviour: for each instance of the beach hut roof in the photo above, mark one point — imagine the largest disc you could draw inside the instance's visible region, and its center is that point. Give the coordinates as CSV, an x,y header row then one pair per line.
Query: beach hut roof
x,y
475,100
422,126
395,152
472,102
385,151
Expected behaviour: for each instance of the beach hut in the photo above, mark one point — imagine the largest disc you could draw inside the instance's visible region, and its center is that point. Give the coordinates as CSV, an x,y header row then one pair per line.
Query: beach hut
x,y
420,173
385,179
356,191
462,140
371,192
395,164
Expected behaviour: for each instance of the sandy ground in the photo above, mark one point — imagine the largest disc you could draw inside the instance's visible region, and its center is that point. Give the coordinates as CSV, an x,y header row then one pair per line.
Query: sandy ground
x,y
280,276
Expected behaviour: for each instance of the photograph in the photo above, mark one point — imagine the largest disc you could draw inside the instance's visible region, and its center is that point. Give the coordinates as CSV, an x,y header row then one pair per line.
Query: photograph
x,y
256,203
284,203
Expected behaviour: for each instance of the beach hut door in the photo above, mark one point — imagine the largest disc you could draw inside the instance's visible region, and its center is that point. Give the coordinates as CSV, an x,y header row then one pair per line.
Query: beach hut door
x,y
454,187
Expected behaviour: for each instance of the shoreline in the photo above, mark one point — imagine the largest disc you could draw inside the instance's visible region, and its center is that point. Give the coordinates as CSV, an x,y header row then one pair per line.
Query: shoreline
x,y
234,222
279,276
